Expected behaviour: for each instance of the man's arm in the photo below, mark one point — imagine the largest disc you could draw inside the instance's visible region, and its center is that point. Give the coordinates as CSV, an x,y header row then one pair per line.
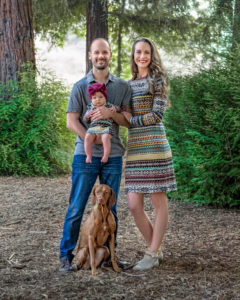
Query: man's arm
x,y
74,125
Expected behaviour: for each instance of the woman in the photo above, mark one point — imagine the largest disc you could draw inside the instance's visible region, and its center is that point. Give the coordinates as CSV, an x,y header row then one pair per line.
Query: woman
x,y
149,167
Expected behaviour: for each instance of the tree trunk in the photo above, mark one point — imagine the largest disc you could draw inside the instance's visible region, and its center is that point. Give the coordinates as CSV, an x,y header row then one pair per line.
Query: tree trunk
x,y
236,24
97,24
119,58
120,28
16,37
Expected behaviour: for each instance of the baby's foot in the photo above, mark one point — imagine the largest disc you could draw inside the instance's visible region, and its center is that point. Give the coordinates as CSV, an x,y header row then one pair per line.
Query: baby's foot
x,y
88,159
104,159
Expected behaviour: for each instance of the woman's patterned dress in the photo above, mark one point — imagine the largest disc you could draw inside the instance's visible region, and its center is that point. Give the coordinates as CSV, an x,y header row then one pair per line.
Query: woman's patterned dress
x,y
149,166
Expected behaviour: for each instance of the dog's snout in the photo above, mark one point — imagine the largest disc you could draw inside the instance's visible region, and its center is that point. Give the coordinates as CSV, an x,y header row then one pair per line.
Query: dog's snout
x,y
101,200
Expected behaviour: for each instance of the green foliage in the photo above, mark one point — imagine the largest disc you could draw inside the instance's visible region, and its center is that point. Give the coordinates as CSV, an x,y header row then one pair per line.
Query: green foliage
x,y
123,133
204,129
54,19
33,136
219,23
172,28
170,24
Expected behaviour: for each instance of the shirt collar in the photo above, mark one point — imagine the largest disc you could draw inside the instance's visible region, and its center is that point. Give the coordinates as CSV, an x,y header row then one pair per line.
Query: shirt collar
x,y
90,78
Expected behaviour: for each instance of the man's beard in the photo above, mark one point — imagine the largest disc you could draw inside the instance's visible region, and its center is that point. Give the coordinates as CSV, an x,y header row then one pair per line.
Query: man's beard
x,y
101,67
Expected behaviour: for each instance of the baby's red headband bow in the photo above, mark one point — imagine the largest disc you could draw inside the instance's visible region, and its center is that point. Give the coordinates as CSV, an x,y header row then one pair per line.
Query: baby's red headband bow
x,y
97,87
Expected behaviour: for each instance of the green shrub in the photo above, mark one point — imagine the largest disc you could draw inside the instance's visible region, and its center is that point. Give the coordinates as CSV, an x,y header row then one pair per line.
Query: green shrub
x,y
123,133
33,137
203,126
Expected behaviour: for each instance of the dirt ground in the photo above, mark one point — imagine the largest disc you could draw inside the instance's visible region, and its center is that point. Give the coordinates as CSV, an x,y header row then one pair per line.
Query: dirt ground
x,y
201,249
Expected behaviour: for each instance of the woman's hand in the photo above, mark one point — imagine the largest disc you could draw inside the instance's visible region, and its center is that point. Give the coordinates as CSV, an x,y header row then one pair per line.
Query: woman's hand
x,y
127,115
113,109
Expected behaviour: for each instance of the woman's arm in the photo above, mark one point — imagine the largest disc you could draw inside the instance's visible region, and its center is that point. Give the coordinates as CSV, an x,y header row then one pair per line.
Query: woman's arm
x,y
158,109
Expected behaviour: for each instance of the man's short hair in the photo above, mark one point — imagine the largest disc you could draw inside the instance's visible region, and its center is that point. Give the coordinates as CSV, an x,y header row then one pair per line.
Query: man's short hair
x,y
99,38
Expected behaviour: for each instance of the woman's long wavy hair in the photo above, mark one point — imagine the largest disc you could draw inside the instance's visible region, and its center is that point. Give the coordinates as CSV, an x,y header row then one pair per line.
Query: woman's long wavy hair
x,y
156,68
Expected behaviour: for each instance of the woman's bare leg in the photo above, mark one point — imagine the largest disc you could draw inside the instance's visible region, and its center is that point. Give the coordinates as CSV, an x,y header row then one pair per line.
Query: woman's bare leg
x,y
160,203
154,239
136,206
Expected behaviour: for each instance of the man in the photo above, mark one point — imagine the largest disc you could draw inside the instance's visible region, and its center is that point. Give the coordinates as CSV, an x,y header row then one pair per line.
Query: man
x,y
84,174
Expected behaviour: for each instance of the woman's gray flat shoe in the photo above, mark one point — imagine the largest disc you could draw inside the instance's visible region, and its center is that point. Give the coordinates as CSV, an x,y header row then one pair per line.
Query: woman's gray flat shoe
x,y
150,260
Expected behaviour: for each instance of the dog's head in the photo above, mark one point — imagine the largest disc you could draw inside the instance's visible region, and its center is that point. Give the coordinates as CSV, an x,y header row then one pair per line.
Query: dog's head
x,y
104,195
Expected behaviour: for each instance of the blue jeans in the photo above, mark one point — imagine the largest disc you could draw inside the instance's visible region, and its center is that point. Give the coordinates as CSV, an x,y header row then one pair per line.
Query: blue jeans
x,y
84,176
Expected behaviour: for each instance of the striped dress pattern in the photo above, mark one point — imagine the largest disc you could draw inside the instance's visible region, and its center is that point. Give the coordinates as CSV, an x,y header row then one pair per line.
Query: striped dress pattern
x,y
149,165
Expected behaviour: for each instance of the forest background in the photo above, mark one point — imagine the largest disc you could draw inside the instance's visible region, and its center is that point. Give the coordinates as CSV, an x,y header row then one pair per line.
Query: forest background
x,y
203,123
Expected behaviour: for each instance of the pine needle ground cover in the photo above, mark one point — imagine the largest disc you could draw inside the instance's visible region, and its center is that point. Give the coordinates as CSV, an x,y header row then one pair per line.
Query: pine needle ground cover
x,y
201,249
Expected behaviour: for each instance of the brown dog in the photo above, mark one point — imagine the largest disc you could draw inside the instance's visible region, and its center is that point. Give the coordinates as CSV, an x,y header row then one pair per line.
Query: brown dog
x,y
95,231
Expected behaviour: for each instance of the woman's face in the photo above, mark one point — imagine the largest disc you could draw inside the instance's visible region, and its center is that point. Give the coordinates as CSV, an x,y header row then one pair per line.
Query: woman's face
x,y
142,55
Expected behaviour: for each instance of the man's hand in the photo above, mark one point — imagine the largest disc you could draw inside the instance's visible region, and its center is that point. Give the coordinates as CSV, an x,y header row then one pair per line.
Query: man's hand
x,y
101,113
89,114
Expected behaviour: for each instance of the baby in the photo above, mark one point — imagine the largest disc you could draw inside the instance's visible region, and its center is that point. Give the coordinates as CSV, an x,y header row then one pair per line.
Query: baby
x,y
104,128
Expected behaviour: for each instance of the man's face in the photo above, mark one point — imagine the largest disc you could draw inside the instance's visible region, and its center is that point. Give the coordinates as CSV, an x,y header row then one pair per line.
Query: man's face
x,y
100,54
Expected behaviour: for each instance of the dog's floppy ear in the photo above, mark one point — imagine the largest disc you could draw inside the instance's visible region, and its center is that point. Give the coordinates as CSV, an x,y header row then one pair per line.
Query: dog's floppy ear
x,y
112,198
93,196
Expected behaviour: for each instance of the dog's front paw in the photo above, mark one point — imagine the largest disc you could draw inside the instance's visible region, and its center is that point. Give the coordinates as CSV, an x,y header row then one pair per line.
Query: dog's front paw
x,y
94,272
116,268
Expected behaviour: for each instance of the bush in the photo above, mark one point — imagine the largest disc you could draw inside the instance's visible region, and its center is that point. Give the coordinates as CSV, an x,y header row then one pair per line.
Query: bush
x,y
203,126
123,133
34,138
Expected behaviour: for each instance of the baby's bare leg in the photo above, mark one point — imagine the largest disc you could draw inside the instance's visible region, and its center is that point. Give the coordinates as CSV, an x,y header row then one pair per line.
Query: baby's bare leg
x,y
106,140
88,142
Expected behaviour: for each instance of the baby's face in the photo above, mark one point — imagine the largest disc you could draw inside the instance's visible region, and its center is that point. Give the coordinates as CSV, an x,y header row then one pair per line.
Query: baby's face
x,y
98,99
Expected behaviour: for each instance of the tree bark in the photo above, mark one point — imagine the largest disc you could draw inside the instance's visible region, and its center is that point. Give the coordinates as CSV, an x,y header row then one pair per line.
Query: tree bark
x,y
97,24
236,24
16,38
120,28
119,58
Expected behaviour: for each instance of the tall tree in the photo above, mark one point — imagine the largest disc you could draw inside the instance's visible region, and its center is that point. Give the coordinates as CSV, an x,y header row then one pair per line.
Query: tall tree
x,y
16,38
170,23
119,41
220,28
97,24
236,24
54,19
